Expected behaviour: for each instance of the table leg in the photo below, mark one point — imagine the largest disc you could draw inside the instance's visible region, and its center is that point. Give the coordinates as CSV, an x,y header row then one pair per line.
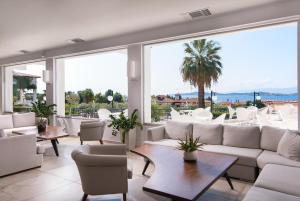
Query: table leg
x,y
228,180
55,147
146,166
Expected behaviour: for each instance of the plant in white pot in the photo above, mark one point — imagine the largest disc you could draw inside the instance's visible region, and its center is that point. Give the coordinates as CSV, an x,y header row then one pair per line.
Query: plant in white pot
x,y
123,124
43,112
190,147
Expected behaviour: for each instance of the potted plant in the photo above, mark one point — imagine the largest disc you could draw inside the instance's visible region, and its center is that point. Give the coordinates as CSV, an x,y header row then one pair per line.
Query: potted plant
x,y
123,124
43,112
190,148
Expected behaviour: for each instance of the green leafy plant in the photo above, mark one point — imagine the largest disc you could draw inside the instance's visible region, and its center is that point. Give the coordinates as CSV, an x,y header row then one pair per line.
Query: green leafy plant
x,y
43,112
124,124
189,144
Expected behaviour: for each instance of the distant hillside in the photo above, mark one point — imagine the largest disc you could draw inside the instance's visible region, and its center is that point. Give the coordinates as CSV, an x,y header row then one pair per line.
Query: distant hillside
x,y
265,91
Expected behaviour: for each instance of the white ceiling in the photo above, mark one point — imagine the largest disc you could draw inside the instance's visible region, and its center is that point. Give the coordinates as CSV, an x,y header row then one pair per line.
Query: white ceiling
x,y
35,25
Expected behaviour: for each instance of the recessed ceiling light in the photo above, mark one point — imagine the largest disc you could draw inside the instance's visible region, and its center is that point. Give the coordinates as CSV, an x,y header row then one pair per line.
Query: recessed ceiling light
x,y
24,51
76,40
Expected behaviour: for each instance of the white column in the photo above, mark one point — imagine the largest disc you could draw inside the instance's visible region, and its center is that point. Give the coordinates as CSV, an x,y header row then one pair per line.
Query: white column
x,y
50,86
1,89
298,70
135,83
55,89
60,86
147,84
7,89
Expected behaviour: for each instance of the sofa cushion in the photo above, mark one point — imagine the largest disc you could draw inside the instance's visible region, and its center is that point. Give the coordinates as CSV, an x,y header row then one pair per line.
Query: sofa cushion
x,y
242,136
6,121
9,131
270,137
284,179
165,142
246,156
175,129
262,194
24,119
3,133
289,145
208,133
270,157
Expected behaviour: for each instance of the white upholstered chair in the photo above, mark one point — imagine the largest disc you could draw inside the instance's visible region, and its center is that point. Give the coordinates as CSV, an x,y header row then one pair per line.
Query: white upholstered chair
x,y
220,119
201,114
231,111
242,114
92,131
174,114
103,169
103,114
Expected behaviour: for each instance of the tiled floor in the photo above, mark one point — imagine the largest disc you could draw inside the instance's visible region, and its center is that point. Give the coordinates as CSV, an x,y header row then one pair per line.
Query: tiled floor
x,y
58,180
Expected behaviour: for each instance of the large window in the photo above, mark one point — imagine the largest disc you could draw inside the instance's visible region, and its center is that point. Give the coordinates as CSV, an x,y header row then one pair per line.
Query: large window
x,y
96,84
251,76
23,86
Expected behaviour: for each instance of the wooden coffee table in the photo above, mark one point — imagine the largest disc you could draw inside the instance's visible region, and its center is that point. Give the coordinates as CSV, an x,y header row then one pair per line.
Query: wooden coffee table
x,y
52,133
179,180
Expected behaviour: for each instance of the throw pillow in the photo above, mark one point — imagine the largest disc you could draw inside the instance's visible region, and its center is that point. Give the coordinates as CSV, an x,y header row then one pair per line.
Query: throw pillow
x,y
289,145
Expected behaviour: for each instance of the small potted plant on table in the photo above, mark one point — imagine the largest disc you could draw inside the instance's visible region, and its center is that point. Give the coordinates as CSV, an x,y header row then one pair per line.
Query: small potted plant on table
x,y
43,112
123,124
190,148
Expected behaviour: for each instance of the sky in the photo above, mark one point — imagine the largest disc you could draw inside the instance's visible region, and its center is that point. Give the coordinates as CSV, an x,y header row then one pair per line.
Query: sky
x,y
253,59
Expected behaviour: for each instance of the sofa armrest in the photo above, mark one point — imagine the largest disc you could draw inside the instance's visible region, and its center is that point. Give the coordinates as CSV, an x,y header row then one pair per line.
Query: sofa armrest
x,y
156,133
113,149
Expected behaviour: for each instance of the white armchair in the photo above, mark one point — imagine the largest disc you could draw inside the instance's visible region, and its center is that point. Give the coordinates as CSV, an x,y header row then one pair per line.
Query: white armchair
x,y
103,169
92,131
103,114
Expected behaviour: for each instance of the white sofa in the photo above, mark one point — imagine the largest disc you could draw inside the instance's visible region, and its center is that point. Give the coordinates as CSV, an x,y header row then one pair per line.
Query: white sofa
x,y
17,152
16,121
255,147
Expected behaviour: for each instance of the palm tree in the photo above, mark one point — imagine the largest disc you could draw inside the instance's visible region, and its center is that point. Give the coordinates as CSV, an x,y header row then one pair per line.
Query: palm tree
x,y
201,66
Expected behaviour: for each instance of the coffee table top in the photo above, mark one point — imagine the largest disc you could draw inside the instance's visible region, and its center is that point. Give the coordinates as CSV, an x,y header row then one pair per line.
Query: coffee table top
x,y
180,180
51,133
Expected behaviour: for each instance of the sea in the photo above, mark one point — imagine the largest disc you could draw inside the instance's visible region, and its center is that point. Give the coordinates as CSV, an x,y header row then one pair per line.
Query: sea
x,y
242,97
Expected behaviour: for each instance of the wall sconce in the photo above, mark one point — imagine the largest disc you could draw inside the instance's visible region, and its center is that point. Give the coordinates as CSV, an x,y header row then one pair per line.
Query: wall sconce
x,y
132,71
46,76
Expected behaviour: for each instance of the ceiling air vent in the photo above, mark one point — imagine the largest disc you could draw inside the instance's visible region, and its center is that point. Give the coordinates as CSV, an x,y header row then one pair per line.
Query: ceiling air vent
x,y
200,13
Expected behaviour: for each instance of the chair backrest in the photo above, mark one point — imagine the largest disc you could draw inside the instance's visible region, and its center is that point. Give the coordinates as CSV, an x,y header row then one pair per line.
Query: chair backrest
x,y
242,114
207,109
231,111
202,114
174,114
252,112
220,119
125,112
104,114
90,131
252,108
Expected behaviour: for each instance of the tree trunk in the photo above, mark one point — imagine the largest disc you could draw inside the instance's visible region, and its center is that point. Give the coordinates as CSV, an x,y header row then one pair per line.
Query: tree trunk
x,y
201,101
